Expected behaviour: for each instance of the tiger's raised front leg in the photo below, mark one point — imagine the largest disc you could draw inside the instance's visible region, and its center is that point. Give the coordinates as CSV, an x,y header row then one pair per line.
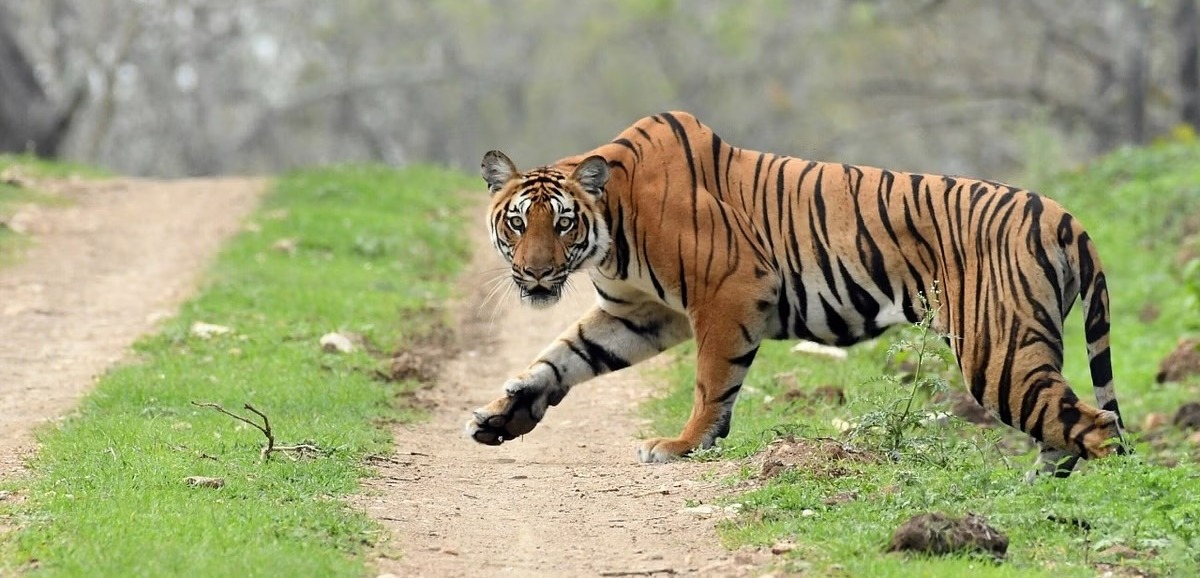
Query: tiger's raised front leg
x,y
609,337
727,339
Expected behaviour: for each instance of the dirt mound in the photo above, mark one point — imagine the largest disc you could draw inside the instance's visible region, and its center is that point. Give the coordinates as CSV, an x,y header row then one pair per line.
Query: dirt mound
x,y
1188,416
825,457
1181,363
939,534
421,356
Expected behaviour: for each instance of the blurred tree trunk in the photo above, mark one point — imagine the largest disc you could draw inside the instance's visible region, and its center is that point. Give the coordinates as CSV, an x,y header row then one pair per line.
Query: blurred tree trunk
x,y
1187,35
29,121
1137,59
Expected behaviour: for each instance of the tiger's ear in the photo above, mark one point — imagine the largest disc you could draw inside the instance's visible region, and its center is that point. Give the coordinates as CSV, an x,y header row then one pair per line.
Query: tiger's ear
x,y
592,174
497,170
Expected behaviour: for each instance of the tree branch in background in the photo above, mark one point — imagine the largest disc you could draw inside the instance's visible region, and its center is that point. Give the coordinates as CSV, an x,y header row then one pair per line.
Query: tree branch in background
x,y
106,111
1187,36
29,121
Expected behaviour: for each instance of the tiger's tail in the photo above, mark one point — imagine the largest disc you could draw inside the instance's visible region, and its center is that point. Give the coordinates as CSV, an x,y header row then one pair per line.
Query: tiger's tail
x,y
1093,294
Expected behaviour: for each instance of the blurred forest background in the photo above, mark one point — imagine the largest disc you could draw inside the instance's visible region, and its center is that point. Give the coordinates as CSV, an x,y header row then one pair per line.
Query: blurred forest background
x,y
198,87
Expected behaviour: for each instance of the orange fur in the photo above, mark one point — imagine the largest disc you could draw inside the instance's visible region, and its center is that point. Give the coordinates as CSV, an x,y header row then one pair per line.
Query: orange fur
x,y
684,235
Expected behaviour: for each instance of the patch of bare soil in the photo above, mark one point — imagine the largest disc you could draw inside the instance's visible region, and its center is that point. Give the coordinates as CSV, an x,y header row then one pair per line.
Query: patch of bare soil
x,y
568,499
101,271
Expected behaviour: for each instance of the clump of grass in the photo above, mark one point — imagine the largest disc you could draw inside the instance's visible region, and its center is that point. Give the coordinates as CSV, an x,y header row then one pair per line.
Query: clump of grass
x,y
109,496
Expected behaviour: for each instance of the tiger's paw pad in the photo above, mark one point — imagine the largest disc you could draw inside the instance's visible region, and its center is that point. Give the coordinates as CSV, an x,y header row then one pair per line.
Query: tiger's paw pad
x,y
662,450
508,417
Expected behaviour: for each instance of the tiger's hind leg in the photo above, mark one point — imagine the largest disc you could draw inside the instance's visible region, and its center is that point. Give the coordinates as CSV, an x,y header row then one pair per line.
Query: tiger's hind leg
x,y
1018,379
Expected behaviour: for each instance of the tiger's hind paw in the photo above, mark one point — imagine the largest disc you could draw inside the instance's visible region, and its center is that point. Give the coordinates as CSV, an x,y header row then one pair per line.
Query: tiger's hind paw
x,y
662,450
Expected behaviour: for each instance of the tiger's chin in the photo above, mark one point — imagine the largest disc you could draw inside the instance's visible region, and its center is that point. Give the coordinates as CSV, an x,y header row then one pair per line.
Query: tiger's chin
x,y
540,297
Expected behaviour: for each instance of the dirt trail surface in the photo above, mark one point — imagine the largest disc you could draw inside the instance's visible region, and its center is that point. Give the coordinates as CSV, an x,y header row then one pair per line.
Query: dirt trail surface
x,y
569,499
103,268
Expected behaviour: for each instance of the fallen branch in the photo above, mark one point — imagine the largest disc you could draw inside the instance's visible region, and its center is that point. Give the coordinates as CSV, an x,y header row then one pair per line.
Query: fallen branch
x,y
265,428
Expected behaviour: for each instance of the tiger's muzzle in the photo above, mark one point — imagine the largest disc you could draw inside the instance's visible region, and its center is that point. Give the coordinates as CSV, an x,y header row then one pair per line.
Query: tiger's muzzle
x,y
540,287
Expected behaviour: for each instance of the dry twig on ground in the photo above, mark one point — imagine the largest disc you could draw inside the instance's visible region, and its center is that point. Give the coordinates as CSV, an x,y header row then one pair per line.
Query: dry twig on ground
x,y
265,428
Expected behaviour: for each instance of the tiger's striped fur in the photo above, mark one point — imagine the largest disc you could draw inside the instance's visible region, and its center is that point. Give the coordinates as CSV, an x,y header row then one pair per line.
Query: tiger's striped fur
x,y
684,235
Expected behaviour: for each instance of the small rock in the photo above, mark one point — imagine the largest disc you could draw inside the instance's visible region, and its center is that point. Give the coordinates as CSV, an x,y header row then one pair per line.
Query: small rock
x,y
4,494
336,343
701,511
287,246
208,330
783,547
807,513
1119,551
842,425
1153,421
205,482
813,348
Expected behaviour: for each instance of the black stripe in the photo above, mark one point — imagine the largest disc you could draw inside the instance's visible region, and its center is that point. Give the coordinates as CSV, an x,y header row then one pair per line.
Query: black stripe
x,y
745,359
729,393
601,355
607,297
1101,367
557,374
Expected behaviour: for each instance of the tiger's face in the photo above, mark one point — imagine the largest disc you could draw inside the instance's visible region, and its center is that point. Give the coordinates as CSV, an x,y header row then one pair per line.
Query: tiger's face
x,y
547,223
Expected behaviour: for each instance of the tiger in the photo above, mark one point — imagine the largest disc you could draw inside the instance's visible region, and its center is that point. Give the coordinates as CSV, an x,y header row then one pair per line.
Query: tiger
x,y
685,236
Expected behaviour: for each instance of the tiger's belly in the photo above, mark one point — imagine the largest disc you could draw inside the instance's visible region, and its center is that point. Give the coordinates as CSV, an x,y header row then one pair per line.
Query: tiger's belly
x,y
841,315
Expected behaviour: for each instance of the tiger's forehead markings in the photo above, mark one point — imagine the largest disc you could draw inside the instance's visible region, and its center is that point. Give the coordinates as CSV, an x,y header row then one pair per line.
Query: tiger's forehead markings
x,y
557,204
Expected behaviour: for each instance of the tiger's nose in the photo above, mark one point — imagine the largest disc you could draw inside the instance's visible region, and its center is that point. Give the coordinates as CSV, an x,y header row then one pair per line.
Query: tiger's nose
x,y
538,272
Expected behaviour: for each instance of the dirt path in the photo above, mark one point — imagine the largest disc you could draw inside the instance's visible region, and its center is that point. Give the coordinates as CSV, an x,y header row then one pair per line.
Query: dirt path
x,y
569,499
119,256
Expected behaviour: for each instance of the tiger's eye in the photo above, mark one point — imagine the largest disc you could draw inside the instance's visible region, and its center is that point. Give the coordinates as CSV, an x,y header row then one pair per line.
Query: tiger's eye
x,y
564,224
516,224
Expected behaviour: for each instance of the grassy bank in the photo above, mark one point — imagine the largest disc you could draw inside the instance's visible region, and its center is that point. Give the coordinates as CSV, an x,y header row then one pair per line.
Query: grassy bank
x,y
1124,514
364,251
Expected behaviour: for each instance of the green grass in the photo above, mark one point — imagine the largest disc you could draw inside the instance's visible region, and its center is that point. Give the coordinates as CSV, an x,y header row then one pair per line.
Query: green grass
x,y
374,248
1136,204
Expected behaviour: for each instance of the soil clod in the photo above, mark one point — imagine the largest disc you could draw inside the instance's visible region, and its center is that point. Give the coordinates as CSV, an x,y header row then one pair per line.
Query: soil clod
x,y
1181,363
938,534
825,457
1188,416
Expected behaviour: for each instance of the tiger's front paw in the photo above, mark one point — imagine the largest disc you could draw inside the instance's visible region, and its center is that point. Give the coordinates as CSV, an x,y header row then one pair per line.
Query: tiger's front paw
x,y
513,415
662,450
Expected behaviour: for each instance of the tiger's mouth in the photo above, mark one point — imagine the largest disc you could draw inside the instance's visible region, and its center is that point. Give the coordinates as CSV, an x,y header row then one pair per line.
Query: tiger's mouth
x,y
541,296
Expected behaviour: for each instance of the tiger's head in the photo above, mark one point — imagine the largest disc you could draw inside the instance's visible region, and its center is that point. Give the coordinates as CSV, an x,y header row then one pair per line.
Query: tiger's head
x,y
547,222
